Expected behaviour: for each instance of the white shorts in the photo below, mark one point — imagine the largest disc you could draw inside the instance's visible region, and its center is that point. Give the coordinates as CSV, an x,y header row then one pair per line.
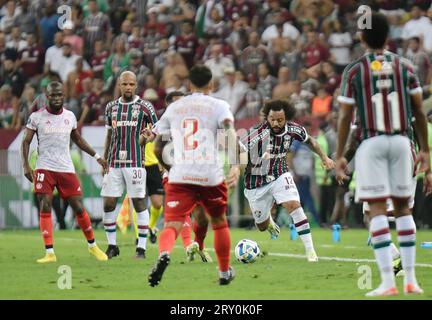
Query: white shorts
x,y
114,182
389,204
261,199
384,168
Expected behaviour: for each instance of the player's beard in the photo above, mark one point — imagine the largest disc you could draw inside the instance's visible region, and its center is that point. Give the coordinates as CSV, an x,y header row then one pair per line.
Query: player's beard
x,y
128,97
276,130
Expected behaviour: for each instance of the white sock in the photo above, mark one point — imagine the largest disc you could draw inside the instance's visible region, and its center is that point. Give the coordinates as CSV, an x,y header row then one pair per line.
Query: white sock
x,y
50,250
406,229
92,245
224,274
381,240
394,251
303,228
110,226
142,222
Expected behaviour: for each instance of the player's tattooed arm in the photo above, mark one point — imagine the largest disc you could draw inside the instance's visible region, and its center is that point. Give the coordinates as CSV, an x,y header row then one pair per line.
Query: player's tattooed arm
x,y
326,162
25,147
344,122
159,144
233,153
353,144
84,146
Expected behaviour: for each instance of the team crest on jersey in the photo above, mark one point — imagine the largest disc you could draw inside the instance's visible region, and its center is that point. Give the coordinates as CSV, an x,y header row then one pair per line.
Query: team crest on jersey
x,y
135,113
39,185
66,122
114,109
286,142
123,155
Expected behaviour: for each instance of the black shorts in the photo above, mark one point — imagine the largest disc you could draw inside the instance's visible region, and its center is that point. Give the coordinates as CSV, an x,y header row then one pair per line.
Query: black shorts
x,y
154,180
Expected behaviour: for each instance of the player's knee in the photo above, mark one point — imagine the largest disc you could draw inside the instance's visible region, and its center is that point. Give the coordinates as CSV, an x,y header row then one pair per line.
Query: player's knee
x,y
76,206
177,225
157,201
218,220
262,226
109,207
139,204
291,205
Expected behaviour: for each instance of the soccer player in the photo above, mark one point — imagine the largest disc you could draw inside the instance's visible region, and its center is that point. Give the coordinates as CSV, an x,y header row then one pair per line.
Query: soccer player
x,y
200,224
196,174
386,93
267,176
125,119
54,127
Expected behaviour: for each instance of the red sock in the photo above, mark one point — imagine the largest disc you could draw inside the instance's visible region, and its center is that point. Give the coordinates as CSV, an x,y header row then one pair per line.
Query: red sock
x,y
186,232
46,228
167,239
200,234
222,245
84,222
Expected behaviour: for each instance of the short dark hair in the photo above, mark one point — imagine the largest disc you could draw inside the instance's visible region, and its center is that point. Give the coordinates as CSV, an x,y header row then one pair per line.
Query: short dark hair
x,y
54,85
170,96
376,36
278,105
200,76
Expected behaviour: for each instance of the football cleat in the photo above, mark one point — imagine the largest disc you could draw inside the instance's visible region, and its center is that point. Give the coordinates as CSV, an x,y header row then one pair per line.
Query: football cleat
x,y
191,251
383,292
397,267
205,256
226,281
411,288
155,276
140,253
153,235
112,251
274,230
312,256
98,253
49,257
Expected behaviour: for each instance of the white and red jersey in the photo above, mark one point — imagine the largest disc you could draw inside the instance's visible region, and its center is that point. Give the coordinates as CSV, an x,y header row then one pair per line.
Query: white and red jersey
x,y
193,122
53,132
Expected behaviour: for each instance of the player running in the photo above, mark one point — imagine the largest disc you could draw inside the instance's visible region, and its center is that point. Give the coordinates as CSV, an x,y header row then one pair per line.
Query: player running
x,y
267,176
196,174
386,93
54,126
125,119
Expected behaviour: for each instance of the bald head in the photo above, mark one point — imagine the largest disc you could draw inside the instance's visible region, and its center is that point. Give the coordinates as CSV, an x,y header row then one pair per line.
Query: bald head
x,y
128,85
127,75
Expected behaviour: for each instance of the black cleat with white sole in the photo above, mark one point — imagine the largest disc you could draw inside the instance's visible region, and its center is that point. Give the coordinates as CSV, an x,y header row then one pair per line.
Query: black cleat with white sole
x,y
140,253
112,251
157,272
226,281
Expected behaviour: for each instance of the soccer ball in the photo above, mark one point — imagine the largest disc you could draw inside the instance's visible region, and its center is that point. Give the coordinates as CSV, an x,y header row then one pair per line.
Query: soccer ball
x,y
247,251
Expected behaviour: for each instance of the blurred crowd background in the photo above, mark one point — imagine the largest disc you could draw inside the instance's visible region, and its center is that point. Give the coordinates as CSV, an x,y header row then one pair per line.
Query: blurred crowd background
x,y
257,50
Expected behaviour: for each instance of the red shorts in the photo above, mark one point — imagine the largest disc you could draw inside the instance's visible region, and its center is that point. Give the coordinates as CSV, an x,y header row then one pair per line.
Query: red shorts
x,y
181,199
67,184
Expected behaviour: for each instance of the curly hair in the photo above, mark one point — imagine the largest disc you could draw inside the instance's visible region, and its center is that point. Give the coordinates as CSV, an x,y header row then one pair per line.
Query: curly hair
x,y
278,105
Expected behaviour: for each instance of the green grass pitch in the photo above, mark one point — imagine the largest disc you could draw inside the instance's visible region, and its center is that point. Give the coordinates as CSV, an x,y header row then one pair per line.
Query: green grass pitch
x,y
283,274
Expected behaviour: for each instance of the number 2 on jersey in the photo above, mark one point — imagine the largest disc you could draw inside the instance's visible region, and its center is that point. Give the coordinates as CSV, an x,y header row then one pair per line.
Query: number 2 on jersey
x,y
191,128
